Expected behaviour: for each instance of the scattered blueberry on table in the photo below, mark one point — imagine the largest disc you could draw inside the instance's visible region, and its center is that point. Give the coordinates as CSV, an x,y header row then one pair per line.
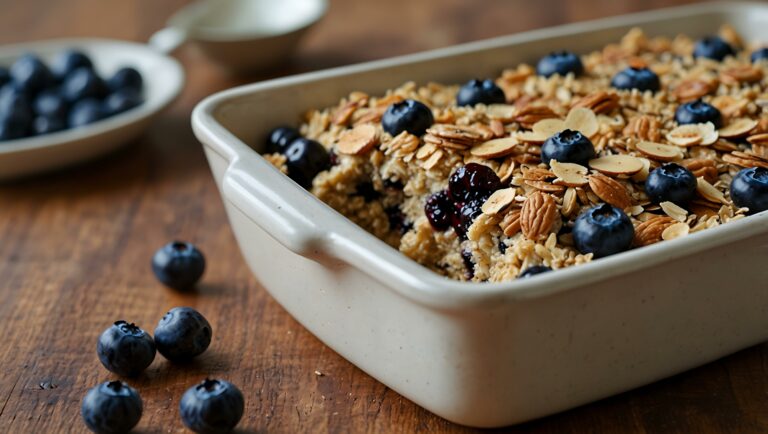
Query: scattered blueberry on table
x,y
480,92
749,189
561,63
178,265
698,112
671,183
568,146
182,334
408,115
603,230
111,408
125,349
713,47
212,407
642,79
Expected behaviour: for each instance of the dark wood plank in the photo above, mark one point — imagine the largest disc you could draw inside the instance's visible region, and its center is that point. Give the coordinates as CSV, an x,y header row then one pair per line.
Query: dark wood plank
x,y
75,249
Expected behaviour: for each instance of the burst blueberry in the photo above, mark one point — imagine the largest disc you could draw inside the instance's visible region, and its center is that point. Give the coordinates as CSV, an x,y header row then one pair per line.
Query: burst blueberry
x,y
111,408
471,181
182,334
408,115
125,349
713,47
698,112
603,230
759,55
749,189
560,62
671,183
279,139
178,265
438,210
306,158
467,212
568,146
212,407
642,79
534,270
480,92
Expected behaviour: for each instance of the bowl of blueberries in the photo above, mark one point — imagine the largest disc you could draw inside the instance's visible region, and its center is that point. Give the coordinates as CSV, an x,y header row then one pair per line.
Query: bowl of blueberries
x,y
67,101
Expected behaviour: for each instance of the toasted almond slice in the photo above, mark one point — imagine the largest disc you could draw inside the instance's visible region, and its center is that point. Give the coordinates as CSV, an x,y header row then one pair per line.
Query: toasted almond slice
x,y
617,164
642,175
532,137
495,148
499,200
660,151
358,140
569,174
685,135
709,134
738,128
549,127
503,112
676,230
674,211
582,119
570,203
709,192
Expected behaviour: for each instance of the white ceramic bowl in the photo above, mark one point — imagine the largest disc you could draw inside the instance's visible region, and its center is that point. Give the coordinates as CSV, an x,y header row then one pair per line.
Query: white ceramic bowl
x,y
486,354
163,80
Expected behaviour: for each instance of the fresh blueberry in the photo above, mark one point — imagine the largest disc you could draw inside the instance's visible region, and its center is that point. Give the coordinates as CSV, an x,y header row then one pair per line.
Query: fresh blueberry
x,y
560,62
125,349
671,183
534,270
182,333
50,103
212,407
30,74
306,158
568,146
749,189
85,112
438,210
698,112
82,83
603,230
409,115
759,55
13,127
45,124
126,78
5,76
69,60
122,100
14,102
713,47
178,265
471,181
642,79
111,408
279,139
480,92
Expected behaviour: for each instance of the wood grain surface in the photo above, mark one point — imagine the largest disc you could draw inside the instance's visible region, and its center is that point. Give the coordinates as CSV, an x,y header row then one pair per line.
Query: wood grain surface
x,y
75,248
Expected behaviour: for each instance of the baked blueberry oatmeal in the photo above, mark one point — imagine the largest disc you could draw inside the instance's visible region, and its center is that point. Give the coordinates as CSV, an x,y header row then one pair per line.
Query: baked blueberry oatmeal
x,y
548,165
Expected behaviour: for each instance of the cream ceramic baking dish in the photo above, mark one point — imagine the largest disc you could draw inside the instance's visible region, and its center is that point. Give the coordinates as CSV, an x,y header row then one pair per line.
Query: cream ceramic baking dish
x,y
486,354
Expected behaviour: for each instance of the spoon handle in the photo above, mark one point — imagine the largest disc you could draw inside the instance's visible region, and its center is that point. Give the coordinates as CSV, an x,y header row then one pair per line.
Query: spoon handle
x,y
168,39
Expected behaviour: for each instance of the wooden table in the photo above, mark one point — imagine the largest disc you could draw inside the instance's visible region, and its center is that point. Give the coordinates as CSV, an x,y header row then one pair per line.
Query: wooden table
x,y
75,248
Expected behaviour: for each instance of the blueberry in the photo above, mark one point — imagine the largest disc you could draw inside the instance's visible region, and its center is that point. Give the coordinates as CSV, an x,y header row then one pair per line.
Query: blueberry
x,y
642,79
305,159
749,189
279,139
671,183
5,76
82,83
698,112
603,230
45,124
182,333
111,408
30,74
121,101
16,103
85,112
759,55
69,60
408,115
50,103
438,210
178,265
480,92
469,264
125,349
534,270
560,62
568,146
126,78
713,47
212,407
471,181
466,213
13,127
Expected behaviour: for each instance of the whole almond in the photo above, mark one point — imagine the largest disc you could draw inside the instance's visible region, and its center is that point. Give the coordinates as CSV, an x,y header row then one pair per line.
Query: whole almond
x,y
610,191
538,215
649,231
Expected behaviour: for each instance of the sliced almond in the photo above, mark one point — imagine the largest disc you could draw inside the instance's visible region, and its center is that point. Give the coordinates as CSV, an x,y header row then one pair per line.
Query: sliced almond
x,y
570,203
495,148
685,135
738,128
358,140
709,134
617,164
569,174
659,151
499,201
674,211
503,112
549,127
676,230
532,137
642,175
582,119
709,192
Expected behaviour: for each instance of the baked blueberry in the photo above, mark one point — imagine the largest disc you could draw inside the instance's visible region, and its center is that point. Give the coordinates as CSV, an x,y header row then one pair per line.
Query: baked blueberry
x,y
438,210
759,54
126,78
85,112
603,230
408,115
45,124
111,408
69,60
466,214
279,139
560,62
469,263
749,189
212,407
671,183
82,83
178,265
568,146
13,127
49,102
713,47
125,349
480,92
306,158
698,112
30,74
534,270
471,181
642,79
182,333
122,100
